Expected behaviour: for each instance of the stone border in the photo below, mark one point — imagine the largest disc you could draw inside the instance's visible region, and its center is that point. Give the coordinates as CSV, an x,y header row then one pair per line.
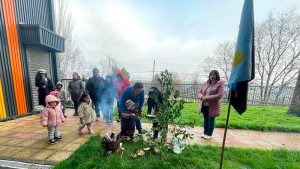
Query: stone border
x,y
22,165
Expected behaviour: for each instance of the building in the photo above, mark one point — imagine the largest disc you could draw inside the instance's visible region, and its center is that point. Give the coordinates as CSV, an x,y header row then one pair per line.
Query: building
x,y
28,42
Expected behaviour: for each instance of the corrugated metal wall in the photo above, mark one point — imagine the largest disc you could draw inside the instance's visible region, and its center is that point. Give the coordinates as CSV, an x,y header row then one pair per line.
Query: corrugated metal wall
x,y
34,12
37,12
14,70
38,59
14,54
5,70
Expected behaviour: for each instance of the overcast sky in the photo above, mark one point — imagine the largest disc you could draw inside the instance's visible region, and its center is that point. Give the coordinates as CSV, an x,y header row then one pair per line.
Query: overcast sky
x,y
178,34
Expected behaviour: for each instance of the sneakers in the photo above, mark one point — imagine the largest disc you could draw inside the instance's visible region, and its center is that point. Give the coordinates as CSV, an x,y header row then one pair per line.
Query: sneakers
x,y
203,135
207,137
52,141
57,138
91,132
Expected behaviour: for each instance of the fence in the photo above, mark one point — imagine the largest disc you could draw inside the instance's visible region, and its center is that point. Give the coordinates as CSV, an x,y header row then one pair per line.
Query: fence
x,y
278,96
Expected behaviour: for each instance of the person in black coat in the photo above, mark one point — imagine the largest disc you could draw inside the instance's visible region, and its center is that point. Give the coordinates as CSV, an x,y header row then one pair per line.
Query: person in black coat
x,y
95,87
154,96
44,84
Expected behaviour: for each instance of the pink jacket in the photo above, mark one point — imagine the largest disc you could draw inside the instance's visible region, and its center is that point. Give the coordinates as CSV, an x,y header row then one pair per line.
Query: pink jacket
x,y
121,86
214,98
52,116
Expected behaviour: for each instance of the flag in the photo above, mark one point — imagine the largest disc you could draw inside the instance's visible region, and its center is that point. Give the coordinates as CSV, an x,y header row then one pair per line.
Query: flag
x,y
243,63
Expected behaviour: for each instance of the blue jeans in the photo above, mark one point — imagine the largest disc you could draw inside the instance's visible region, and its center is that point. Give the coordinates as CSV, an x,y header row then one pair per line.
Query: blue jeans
x,y
138,124
96,103
209,122
108,111
53,132
118,106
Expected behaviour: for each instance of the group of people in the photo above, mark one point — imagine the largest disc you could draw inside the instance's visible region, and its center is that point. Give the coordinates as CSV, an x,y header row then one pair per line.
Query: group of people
x,y
99,94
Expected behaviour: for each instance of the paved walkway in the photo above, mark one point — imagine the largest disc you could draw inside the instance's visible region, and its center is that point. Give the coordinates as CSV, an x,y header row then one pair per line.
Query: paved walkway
x,y
25,140
245,138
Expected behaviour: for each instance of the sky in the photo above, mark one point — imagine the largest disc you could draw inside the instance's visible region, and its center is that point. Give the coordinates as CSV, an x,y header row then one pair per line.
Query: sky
x,y
177,34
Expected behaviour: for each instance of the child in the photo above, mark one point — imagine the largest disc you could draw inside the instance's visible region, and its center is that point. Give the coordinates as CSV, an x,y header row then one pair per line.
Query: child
x,y
85,112
61,96
128,119
154,96
51,117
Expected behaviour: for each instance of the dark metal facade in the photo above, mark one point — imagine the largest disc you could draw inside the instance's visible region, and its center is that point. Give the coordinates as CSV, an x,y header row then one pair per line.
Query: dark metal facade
x,y
42,37
28,12
5,70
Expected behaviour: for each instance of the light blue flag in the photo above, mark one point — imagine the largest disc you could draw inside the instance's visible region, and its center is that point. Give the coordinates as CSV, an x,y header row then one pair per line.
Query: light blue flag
x,y
243,62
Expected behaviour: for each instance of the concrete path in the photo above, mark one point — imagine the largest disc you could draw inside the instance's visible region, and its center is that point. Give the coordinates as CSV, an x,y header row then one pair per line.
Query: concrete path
x,y
25,140
245,138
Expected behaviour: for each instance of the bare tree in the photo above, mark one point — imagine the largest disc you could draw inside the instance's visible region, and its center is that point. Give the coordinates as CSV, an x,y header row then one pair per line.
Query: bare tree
x,y
64,27
209,64
277,51
222,60
295,104
195,78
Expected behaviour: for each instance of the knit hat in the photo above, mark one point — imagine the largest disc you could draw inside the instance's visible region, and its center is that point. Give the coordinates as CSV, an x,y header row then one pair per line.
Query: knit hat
x,y
59,83
54,93
129,104
42,70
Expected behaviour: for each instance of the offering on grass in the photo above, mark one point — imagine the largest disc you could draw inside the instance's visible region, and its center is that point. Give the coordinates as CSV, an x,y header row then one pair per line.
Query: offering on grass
x,y
151,115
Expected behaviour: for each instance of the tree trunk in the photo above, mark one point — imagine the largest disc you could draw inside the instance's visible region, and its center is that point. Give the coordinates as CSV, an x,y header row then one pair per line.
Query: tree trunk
x,y
295,104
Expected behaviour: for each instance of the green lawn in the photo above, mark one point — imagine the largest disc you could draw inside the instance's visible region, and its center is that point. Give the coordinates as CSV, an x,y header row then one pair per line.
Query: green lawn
x,y
90,156
264,118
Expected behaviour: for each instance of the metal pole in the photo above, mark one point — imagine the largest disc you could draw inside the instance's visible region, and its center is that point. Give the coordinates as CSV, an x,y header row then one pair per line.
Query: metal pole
x,y
225,132
153,70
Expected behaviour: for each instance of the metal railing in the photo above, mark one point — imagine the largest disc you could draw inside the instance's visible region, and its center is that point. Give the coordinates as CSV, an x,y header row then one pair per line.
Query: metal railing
x,y
37,35
278,96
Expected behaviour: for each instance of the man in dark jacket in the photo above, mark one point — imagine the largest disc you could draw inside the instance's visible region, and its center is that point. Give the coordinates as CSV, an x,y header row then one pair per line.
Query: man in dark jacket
x,y
95,86
155,96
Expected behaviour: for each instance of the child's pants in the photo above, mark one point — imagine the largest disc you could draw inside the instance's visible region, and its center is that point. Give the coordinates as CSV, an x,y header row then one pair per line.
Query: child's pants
x,y
88,125
53,132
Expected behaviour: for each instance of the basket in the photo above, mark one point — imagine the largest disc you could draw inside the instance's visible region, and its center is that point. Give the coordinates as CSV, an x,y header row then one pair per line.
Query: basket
x,y
111,146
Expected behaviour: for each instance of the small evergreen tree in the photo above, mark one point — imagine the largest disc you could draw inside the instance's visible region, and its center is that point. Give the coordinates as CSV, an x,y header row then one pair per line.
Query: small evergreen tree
x,y
171,105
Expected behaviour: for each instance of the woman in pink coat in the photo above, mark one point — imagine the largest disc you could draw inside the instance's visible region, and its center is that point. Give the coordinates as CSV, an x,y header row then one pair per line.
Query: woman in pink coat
x,y
52,117
210,100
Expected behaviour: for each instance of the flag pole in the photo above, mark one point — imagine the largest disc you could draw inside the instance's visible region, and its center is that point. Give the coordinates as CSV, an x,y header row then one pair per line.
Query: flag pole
x,y
225,132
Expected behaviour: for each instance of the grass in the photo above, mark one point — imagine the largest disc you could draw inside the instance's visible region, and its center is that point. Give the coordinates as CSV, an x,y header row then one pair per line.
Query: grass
x,y
90,156
263,118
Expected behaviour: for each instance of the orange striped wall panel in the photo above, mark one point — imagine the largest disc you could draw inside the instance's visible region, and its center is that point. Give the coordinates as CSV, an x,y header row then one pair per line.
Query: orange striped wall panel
x,y
14,53
2,105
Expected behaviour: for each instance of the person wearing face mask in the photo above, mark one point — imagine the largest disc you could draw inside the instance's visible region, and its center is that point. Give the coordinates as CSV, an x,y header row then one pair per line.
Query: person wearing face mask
x,y
210,101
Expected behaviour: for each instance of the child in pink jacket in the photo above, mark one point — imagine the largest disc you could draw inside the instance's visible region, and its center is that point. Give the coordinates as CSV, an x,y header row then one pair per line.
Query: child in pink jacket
x,y
52,117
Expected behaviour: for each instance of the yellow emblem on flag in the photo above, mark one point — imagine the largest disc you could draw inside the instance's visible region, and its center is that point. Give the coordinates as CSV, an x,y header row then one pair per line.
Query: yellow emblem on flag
x,y
238,58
